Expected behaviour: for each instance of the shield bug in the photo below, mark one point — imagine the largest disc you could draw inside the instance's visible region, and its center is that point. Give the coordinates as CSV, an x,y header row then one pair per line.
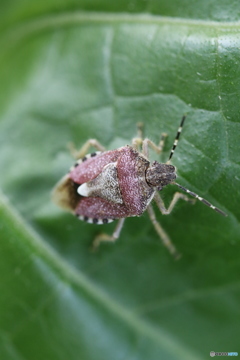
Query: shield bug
x,y
107,185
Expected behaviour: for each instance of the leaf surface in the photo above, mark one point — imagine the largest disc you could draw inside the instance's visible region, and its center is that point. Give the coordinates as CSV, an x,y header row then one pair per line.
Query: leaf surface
x,y
73,72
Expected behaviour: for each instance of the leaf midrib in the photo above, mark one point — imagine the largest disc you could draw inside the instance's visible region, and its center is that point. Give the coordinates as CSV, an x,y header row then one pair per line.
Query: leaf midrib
x,y
44,22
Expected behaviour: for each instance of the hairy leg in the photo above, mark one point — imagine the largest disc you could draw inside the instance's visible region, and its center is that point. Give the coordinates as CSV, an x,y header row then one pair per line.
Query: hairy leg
x,y
139,142
105,237
162,234
157,148
78,154
175,199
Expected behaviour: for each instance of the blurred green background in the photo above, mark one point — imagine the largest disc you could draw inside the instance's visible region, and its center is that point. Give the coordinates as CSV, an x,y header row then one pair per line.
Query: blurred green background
x,y
75,70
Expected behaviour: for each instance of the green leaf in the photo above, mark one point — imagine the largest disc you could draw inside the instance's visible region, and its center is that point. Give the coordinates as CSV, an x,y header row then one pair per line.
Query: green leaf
x,y
70,72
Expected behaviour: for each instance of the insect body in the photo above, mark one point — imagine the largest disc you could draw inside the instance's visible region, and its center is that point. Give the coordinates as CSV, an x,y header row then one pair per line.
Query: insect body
x,y
107,185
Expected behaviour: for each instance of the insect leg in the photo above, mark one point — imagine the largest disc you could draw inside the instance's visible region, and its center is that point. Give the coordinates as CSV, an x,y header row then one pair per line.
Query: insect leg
x,y
162,234
78,154
157,148
175,199
105,237
137,142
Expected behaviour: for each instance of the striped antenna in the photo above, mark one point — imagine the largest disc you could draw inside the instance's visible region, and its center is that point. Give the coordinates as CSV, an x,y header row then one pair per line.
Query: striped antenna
x,y
177,137
201,199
